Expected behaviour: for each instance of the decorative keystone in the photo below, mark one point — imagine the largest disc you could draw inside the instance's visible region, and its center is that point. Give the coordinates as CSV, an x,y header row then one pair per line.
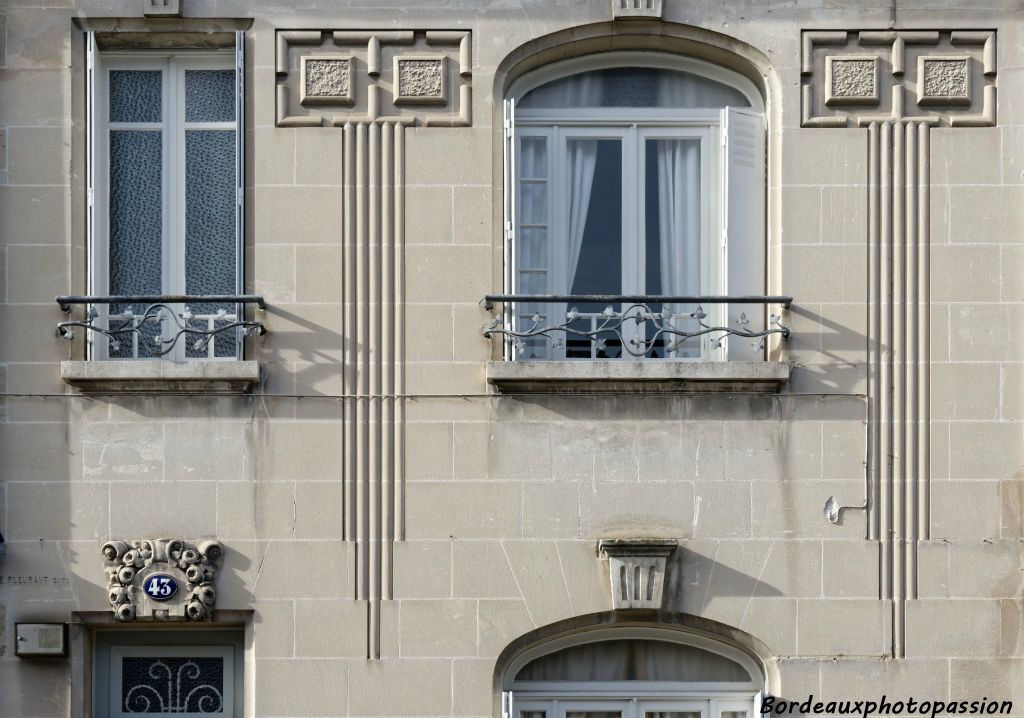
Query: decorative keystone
x,y
623,9
637,569
161,579
161,8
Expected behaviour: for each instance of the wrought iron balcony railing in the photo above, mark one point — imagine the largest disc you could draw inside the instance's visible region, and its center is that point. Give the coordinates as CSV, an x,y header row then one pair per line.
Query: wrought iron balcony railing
x,y
598,326
151,326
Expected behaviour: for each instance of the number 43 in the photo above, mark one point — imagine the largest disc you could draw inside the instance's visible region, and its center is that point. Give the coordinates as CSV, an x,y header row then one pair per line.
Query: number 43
x,y
160,586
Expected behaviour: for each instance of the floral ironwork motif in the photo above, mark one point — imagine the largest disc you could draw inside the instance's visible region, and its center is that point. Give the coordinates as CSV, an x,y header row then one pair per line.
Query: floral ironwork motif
x,y
173,685
614,328
156,331
128,564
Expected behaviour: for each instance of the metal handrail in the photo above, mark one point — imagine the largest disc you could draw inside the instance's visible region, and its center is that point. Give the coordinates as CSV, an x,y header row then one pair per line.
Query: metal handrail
x,y
491,299
66,302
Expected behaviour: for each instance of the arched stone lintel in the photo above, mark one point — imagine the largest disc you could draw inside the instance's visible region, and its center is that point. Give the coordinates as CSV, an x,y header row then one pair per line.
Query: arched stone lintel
x,y
673,627
645,35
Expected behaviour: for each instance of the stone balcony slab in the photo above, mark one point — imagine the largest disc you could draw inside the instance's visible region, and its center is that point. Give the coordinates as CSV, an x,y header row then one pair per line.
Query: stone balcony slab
x,y
158,376
612,376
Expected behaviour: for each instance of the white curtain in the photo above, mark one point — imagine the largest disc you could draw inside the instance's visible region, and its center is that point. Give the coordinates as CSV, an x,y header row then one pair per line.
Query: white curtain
x,y
586,91
679,211
582,158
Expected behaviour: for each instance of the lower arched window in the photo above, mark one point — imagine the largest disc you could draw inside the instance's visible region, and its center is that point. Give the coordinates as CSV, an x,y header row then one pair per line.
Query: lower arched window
x,y
639,676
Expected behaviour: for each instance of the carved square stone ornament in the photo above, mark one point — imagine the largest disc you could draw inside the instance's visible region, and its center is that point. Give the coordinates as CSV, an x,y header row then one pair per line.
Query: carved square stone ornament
x,y
944,80
637,570
327,80
851,80
420,80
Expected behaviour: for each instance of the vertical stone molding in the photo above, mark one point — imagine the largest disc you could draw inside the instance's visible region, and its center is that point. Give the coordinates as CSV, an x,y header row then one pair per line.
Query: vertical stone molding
x,y
861,78
898,275
374,269
334,77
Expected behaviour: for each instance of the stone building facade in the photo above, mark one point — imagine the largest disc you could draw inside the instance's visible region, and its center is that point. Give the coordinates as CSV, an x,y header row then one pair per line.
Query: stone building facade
x,y
366,482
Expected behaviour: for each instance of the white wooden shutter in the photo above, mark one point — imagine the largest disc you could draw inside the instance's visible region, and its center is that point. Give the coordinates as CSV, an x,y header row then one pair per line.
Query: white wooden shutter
x,y
744,215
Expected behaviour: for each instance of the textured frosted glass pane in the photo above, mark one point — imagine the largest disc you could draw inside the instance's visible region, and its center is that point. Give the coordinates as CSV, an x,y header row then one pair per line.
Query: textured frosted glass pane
x,y
209,95
210,212
135,95
634,87
135,212
534,161
172,685
210,225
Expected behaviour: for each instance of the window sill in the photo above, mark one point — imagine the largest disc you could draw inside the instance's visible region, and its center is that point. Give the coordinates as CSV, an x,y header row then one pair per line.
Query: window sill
x,y
599,377
221,376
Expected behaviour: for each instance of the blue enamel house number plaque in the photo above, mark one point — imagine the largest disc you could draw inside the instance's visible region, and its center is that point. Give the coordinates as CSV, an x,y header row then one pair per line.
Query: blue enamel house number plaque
x,y
160,586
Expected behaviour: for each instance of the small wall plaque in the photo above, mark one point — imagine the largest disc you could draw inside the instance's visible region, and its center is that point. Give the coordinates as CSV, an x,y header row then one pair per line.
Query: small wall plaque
x,y
41,640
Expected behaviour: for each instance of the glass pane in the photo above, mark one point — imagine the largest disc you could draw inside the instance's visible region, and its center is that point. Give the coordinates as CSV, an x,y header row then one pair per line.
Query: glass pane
x,y
172,685
534,199
135,95
633,660
210,231
209,95
733,714
210,212
592,714
533,248
672,236
533,163
674,714
135,212
594,227
532,714
533,283
634,87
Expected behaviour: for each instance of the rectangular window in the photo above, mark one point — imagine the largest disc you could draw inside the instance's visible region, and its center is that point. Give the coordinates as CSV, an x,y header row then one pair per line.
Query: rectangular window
x,y
165,201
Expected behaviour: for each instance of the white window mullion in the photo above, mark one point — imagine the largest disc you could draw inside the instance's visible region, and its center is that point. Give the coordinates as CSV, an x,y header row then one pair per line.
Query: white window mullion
x,y
91,73
174,239
240,178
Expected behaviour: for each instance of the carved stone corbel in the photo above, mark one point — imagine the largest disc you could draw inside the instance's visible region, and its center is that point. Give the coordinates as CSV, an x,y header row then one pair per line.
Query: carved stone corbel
x,y
637,570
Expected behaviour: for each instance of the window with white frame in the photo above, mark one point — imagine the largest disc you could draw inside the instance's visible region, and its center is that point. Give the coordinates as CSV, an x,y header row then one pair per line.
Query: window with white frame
x,y
165,200
634,175
634,677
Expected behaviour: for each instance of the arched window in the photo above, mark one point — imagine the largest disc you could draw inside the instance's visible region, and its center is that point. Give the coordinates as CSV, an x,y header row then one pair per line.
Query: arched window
x,y
634,174
638,673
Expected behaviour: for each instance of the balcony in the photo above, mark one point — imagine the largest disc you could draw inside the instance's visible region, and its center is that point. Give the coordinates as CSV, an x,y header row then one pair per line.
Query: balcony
x,y
162,343
602,343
